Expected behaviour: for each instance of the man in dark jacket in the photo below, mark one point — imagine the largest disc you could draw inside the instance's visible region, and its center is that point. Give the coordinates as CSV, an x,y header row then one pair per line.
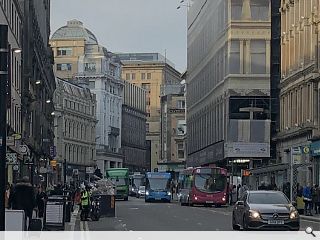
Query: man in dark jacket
x,y
23,197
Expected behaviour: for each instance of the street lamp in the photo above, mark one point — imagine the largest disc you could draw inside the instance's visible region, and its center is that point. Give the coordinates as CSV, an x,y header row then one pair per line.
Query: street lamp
x,y
17,50
48,101
38,82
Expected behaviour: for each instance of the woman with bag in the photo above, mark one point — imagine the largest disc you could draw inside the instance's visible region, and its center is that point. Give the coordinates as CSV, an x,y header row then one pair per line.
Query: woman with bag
x,y
307,198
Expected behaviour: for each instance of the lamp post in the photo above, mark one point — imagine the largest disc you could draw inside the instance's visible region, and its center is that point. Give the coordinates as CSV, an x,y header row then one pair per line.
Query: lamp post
x,y
3,118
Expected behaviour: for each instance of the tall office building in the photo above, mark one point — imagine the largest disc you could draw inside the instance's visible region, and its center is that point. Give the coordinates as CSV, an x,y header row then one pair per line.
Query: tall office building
x,y
228,84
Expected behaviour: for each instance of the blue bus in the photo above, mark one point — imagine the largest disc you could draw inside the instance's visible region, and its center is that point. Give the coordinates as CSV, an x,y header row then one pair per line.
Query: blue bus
x,y
158,187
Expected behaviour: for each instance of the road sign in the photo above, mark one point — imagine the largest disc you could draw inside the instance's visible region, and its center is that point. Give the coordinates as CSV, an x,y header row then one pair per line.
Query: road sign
x,y
90,170
23,149
10,141
75,172
11,158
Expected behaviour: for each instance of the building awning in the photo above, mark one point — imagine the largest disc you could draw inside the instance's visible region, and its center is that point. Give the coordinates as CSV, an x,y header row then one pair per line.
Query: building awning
x,y
271,168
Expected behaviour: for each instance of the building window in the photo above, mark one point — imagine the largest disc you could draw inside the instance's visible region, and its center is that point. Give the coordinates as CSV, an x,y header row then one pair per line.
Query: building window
x,y
90,67
64,67
181,127
64,51
147,127
127,76
181,104
236,9
143,76
92,84
146,86
133,76
259,10
149,76
180,151
258,56
234,62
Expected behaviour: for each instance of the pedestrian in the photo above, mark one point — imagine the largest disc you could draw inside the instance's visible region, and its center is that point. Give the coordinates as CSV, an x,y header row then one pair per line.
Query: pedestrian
x,y
41,200
242,190
307,198
22,197
238,190
317,191
85,204
7,195
234,194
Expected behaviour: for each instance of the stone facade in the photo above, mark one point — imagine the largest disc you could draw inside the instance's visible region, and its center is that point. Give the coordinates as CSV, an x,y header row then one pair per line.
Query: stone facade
x,y
75,129
299,96
80,58
150,71
15,73
228,83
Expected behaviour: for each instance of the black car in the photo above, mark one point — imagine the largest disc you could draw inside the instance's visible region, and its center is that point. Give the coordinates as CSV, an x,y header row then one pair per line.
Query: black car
x,y
265,210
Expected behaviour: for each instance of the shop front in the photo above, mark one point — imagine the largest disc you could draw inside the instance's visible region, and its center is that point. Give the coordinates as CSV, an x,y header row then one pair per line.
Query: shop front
x,y
315,153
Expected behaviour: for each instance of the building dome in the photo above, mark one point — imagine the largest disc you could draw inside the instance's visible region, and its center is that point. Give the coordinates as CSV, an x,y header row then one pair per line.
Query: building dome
x,y
74,30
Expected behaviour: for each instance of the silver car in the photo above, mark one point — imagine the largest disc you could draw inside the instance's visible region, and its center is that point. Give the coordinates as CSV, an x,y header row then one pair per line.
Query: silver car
x,y
265,210
141,191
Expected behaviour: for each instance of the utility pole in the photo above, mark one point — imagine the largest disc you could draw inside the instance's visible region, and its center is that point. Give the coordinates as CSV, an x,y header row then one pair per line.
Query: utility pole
x,y
65,172
3,119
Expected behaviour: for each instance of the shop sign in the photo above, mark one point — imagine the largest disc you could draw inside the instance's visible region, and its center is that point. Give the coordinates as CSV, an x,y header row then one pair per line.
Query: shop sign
x,y
315,149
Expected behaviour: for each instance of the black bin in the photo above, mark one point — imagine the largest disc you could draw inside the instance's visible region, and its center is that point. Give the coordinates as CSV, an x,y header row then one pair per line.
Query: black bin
x,y
107,206
68,211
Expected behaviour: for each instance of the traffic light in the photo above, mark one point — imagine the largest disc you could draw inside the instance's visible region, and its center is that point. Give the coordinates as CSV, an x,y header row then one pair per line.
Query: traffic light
x,y
246,173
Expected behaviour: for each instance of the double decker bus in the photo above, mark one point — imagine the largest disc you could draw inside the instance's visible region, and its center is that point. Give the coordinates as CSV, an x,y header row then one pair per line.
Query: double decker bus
x,y
203,186
158,186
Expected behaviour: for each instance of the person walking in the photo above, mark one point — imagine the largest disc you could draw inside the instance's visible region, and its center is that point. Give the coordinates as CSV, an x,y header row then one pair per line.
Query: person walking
x,y
307,198
22,197
41,199
7,195
85,204
317,190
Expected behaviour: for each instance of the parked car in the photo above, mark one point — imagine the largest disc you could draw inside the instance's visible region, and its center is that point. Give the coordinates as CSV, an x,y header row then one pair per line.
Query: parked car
x,y
265,210
141,191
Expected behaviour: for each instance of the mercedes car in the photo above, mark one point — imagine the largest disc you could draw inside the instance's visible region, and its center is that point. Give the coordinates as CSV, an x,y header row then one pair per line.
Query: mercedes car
x,y
265,210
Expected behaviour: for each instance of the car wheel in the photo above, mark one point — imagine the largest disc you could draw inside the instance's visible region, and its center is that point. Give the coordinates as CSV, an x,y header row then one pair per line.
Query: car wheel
x,y
234,226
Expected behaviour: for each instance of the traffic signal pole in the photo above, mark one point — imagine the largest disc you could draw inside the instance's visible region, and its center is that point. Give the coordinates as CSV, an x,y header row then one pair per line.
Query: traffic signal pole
x,y
3,119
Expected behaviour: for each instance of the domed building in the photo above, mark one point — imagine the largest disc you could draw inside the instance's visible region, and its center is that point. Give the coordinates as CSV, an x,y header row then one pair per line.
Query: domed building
x,y
79,58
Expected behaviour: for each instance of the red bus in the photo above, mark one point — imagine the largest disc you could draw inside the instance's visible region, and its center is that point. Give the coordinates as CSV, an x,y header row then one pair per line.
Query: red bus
x,y
203,186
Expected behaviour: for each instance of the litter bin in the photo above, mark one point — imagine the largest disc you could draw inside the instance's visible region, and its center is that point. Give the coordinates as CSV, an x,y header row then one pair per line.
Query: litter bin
x,y
107,206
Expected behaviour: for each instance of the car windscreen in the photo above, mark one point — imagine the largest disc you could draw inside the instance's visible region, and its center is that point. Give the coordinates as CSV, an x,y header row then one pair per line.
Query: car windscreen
x,y
267,198
210,183
119,181
158,184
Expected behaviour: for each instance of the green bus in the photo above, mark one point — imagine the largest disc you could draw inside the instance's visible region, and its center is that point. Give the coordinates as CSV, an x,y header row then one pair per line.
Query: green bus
x,y
120,177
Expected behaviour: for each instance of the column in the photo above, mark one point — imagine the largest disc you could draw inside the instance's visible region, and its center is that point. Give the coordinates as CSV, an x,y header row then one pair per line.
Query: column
x,y
246,11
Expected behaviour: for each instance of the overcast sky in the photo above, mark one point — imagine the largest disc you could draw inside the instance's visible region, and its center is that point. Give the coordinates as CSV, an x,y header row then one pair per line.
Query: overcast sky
x,y
129,25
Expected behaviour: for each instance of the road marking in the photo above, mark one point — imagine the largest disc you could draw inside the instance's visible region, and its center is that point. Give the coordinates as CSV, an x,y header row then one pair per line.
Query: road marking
x,y
134,208
86,226
313,221
199,223
81,226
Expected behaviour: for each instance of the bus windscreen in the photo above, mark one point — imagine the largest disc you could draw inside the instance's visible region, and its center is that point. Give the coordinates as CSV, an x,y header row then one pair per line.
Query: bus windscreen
x,y
210,183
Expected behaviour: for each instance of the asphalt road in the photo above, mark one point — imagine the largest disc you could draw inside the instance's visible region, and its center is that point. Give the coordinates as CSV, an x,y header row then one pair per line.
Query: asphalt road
x,y
136,215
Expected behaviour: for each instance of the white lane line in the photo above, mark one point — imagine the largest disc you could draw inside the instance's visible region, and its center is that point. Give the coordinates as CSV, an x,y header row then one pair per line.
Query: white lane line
x,y
134,208
81,226
86,226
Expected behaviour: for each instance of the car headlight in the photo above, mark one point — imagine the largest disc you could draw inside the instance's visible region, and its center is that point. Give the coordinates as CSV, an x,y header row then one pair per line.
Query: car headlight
x,y
147,193
223,199
132,189
169,193
139,192
293,215
254,214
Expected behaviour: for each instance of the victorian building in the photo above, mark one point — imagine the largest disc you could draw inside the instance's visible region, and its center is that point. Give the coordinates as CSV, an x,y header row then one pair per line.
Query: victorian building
x,y
75,130
79,57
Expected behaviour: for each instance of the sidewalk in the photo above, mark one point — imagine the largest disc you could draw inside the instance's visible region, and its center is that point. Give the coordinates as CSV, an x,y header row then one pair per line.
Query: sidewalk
x,y
315,217
70,226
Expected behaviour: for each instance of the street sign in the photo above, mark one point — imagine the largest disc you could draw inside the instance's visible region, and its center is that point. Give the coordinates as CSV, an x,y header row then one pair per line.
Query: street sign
x,y
90,170
15,167
11,158
17,136
23,149
75,172
10,141
27,160
53,151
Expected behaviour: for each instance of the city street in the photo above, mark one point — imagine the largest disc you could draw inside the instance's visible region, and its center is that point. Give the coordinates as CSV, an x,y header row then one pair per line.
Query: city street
x,y
136,215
